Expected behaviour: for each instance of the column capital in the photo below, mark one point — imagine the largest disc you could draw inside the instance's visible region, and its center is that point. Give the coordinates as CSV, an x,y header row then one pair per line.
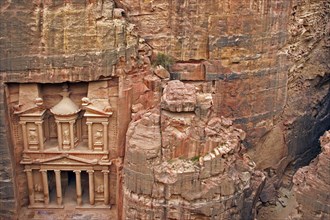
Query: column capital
x,y
22,122
90,171
77,171
43,170
28,170
39,122
89,123
105,172
57,171
105,123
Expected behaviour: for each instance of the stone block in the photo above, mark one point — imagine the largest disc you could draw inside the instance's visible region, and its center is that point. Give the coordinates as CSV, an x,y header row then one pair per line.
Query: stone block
x,y
179,97
161,72
189,71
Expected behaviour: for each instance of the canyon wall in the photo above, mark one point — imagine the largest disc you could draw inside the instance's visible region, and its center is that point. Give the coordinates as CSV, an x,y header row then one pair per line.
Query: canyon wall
x,y
54,42
184,162
311,183
245,88
267,60
244,37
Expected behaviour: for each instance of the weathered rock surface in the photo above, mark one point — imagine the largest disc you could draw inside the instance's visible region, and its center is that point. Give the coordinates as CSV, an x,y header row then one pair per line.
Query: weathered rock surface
x,y
179,167
179,97
161,72
50,42
184,158
240,42
312,185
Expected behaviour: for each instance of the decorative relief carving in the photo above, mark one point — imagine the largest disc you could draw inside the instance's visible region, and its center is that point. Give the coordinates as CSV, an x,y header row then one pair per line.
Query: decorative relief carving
x,y
100,189
98,137
37,187
66,134
33,136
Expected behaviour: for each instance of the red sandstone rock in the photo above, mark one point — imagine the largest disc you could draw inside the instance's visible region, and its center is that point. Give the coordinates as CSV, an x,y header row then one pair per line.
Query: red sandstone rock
x,y
186,172
161,72
312,185
85,41
179,97
188,71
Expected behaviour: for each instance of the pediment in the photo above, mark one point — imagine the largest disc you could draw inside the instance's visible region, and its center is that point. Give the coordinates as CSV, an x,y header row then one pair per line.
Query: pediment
x,y
67,160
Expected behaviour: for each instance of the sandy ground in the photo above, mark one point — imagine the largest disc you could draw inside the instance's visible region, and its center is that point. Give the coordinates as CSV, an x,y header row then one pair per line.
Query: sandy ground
x,y
63,214
284,209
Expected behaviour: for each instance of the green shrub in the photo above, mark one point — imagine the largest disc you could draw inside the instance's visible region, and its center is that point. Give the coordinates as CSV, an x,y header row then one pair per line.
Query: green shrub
x,y
195,159
165,60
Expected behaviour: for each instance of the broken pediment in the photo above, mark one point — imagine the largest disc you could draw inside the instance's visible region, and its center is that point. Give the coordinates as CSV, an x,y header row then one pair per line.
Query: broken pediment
x,y
29,100
97,107
97,101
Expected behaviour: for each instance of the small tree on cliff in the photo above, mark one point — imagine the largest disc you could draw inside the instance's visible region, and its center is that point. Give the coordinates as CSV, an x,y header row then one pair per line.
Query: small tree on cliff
x,y
165,60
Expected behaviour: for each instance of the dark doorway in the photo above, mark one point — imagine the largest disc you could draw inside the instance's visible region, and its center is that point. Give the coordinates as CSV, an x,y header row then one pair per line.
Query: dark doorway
x,y
68,181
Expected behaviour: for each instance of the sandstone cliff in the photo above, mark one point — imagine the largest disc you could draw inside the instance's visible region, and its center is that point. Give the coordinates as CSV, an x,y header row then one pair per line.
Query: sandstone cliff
x,y
312,185
178,166
248,90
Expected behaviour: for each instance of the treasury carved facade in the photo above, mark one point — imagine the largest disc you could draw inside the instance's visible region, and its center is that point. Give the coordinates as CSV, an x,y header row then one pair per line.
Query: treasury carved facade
x,y
66,146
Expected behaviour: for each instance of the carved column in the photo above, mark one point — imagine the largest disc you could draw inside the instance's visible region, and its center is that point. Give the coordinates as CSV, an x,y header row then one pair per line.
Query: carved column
x,y
90,136
91,186
106,186
58,187
78,186
105,136
30,185
79,135
45,186
25,137
40,134
71,134
59,135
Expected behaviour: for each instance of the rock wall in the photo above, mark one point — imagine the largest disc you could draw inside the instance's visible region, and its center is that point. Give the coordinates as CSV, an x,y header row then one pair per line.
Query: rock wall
x,y
267,72
306,116
64,41
233,62
312,185
179,166
242,42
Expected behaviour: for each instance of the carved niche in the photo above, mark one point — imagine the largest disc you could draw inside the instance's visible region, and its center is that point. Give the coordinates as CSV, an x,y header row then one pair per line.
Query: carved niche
x,y
32,116
98,112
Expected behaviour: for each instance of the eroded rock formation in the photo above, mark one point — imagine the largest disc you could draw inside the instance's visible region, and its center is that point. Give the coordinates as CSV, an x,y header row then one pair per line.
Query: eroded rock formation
x,y
248,90
179,167
312,185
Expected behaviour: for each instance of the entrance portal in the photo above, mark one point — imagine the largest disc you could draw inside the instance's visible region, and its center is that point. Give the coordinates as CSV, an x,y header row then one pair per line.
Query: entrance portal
x,y
68,182
69,189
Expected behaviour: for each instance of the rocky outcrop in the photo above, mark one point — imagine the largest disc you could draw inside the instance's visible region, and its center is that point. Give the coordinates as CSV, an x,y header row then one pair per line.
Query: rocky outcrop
x,y
179,97
236,45
312,185
179,167
183,150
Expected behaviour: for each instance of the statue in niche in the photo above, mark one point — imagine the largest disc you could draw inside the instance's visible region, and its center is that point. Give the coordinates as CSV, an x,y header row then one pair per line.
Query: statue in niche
x,y
98,136
37,188
33,134
100,189
66,135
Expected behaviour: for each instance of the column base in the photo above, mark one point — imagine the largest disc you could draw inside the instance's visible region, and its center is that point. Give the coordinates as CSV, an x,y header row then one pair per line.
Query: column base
x,y
88,206
41,206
